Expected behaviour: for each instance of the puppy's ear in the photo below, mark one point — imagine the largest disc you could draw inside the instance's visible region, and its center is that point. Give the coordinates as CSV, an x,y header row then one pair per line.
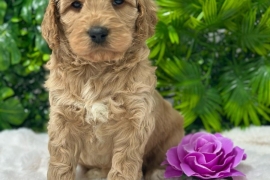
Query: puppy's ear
x,y
147,19
49,26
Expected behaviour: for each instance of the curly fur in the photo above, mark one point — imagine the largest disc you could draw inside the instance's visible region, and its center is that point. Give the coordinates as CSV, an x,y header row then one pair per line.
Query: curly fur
x,y
105,112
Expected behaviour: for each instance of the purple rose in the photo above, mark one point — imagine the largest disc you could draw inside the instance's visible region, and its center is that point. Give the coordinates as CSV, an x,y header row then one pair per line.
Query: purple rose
x,y
205,156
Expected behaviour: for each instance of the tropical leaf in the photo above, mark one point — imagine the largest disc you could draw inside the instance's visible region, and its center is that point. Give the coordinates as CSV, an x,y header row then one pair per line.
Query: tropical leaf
x,y
196,100
5,92
10,54
260,81
26,12
206,107
22,55
210,11
4,59
240,103
3,7
252,36
12,112
231,9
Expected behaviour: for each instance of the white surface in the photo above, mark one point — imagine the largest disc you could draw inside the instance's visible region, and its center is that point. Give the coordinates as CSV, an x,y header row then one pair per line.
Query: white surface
x,y
24,154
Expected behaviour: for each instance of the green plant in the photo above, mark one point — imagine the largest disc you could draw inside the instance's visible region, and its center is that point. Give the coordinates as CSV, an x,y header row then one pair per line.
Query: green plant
x,y
23,101
213,60
212,57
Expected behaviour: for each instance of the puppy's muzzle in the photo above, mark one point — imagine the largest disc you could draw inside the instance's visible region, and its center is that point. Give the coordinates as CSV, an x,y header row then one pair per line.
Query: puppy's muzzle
x,y
98,34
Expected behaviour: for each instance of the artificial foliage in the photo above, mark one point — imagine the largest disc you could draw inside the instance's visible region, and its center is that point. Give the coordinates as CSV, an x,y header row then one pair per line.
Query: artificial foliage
x,y
213,60
23,52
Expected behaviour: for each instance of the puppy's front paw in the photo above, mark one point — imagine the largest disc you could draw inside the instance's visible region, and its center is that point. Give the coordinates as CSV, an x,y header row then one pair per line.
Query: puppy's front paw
x,y
119,176
97,174
115,176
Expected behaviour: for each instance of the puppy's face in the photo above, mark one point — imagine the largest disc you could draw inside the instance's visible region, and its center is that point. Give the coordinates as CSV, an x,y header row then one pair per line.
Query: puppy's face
x,y
98,30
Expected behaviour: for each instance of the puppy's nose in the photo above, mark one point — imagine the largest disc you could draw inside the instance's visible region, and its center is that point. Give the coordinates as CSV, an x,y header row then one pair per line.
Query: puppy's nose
x,y
98,34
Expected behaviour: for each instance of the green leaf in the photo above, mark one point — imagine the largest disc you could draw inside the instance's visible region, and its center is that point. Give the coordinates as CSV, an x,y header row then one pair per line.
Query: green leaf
x,y
46,57
26,12
155,51
173,35
14,51
5,92
15,19
252,36
5,125
210,11
231,8
240,103
3,7
260,81
162,51
4,59
40,43
11,111
39,8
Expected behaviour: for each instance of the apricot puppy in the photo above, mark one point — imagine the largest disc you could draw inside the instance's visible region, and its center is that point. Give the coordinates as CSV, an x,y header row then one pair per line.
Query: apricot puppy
x,y
105,112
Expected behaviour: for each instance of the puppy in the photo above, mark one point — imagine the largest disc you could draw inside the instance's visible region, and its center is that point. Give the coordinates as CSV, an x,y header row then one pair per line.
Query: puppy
x,y
105,112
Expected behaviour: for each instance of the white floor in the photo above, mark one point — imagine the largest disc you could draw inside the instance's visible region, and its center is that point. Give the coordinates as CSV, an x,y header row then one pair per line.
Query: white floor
x,y
24,154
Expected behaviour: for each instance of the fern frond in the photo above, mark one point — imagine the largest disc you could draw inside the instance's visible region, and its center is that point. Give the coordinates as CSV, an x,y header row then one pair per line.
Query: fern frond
x,y
210,11
254,36
231,8
260,81
240,102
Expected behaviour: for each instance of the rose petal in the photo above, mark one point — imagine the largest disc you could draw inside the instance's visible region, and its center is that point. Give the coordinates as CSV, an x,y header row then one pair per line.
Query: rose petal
x,y
218,146
211,140
180,148
205,176
208,137
171,172
235,172
244,156
225,167
239,155
209,156
198,168
200,143
221,174
207,148
227,144
189,148
197,135
187,170
186,139
194,138
181,153
199,157
213,162
172,158
218,135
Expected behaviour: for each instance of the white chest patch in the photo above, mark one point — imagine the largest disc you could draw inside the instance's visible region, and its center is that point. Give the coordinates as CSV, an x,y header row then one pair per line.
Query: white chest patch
x,y
97,112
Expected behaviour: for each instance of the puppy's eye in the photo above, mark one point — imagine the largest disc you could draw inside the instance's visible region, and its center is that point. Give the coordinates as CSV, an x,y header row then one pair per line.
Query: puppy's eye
x,y
117,2
76,5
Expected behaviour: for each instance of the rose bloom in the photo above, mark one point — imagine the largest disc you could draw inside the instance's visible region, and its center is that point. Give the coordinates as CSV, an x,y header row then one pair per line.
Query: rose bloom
x,y
205,156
